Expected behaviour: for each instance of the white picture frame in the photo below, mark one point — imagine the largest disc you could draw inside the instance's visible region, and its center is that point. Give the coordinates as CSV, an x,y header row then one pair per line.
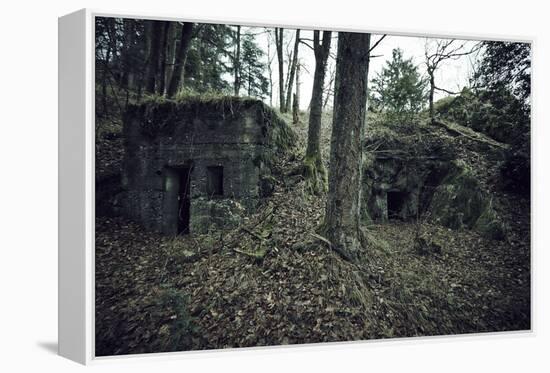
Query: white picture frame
x,y
77,172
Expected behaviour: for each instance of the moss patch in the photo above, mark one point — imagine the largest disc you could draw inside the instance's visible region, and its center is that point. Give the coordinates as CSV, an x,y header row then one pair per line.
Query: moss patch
x,y
315,175
158,115
459,202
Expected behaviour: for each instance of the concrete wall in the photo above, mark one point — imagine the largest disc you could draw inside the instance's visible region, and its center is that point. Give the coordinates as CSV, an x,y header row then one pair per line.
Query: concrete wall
x,y
409,176
161,137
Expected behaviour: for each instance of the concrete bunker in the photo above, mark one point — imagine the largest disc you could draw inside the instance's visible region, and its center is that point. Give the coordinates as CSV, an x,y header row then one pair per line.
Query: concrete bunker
x,y
195,165
421,173
392,188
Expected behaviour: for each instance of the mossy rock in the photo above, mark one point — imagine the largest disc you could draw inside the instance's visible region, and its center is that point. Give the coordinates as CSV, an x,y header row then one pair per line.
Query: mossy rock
x,y
490,225
219,213
460,203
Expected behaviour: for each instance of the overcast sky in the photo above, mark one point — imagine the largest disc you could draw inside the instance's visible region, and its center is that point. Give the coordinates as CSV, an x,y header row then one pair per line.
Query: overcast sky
x,y
452,76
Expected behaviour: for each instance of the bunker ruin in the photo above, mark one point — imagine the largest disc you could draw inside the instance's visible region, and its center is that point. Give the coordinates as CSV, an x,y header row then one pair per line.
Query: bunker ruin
x,y
424,172
196,164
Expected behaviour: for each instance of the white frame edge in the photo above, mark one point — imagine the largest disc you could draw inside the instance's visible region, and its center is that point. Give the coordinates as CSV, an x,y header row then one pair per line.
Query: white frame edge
x,y
75,249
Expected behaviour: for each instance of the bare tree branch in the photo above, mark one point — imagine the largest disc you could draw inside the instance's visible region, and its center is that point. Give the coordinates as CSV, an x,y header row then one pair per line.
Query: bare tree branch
x,y
377,42
446,91
306,44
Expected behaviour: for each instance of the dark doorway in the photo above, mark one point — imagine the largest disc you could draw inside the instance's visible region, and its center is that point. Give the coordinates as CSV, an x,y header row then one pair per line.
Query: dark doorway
x,y
177,200
184,200
396,201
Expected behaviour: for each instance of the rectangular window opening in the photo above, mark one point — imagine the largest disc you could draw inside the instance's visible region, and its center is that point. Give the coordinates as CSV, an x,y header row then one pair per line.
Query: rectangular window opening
x,y
214,181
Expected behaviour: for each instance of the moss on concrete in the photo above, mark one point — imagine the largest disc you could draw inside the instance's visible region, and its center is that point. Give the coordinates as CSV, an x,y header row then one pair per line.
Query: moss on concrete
x,y
459,202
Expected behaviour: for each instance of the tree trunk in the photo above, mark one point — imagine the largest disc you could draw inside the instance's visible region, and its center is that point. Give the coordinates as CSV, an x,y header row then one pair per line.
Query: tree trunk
x,y
249,91
314,169
296,101
431,96
162,58
173,34
105,82
155,37
342,216
269,70
181,57
237,63
128,29
292,71
280,60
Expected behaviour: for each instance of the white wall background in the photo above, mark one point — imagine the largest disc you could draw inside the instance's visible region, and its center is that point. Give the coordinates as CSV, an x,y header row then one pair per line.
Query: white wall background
x,y
28,186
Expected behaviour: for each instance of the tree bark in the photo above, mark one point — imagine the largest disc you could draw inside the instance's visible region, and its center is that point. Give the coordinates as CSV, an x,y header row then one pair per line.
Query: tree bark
x,y
181,57
105,82
314,169
105,72
162,58
431,95
292,71
126,78
237,63
342,218
173,34
156,31
280,60
296,101
270,72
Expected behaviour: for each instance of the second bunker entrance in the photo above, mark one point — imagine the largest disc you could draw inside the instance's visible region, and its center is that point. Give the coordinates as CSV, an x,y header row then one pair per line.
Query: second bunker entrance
x,y
396,203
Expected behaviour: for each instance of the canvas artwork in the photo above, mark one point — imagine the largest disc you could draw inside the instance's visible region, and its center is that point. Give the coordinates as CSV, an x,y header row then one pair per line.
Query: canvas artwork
x,y
260,186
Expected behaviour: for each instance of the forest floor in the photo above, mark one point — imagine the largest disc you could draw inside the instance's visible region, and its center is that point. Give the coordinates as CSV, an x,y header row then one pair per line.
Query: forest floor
x,y
271,281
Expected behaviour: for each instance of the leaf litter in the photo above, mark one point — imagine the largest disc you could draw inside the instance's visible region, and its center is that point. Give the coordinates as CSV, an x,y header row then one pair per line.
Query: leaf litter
x,y
271,281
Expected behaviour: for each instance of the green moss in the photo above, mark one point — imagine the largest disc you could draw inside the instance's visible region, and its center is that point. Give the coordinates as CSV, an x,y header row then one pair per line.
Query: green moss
x,y
315,175
279,133
158,115
490,225
458,201
377,243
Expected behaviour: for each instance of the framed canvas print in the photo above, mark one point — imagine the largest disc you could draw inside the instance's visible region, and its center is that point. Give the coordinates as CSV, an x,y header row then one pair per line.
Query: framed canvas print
x,y
240,185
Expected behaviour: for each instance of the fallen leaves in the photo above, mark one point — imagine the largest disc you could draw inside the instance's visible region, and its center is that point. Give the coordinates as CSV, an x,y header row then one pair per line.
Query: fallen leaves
x,y
158,294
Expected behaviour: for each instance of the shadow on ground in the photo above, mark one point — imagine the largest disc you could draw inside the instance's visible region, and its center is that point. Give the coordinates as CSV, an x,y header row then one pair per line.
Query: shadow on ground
x,y
50,347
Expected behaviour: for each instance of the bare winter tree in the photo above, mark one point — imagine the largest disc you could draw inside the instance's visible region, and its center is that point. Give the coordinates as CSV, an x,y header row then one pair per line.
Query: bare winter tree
x,y
296,97
173,35
181,57
129,32
328,90
237,61
342,216
292,70
161,81
155,32
269,68
314,170
438,51
280,59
